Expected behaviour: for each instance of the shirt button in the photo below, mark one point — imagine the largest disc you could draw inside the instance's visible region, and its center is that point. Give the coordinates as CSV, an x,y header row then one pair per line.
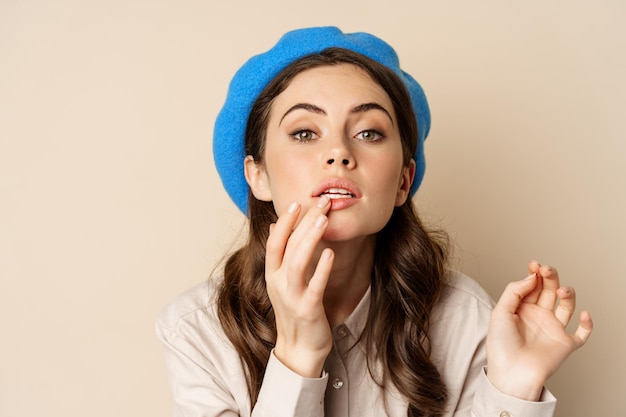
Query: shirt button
x,y
337,383
342,331
505,414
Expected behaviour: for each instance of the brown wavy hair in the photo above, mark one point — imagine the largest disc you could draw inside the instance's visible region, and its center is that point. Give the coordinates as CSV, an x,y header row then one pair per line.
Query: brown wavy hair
x,y
407,278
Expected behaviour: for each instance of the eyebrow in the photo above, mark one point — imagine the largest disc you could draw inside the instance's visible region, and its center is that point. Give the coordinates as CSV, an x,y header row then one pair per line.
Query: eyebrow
x,y
361,108
304,106
371,106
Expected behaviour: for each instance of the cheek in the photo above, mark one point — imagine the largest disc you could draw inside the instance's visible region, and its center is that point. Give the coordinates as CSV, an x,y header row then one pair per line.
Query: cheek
x,y
288,180
388,173
287,173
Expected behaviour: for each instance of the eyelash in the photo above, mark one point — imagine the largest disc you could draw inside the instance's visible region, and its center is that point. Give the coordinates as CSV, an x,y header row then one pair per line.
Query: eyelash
x,y
297,135
377,134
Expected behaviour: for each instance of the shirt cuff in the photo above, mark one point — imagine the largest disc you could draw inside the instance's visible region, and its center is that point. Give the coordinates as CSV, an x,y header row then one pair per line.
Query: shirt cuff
x,y
284,393
489,401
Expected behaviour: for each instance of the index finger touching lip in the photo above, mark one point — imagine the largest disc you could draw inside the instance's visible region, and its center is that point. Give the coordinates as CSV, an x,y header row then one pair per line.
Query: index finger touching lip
x,y
308,219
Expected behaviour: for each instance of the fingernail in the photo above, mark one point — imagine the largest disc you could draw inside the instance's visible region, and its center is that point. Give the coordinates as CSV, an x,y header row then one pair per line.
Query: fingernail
x,y
321,203
292,207
319,222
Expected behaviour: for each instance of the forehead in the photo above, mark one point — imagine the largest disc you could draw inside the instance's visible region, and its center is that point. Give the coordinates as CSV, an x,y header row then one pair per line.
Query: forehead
x,y
341,82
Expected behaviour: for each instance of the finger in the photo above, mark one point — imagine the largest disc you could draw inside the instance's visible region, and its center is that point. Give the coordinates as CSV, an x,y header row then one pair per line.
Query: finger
x,y
550,283
583,332
278,237
567,305
306,223
533,267
514,293
300,260
319,280
533,296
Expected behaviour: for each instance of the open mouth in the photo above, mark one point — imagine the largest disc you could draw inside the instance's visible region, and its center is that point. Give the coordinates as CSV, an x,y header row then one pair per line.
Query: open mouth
x,y
335,193
342,192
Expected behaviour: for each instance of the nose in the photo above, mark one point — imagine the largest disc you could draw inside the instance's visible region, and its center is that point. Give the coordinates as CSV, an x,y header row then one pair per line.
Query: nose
x,y
340,154
343,161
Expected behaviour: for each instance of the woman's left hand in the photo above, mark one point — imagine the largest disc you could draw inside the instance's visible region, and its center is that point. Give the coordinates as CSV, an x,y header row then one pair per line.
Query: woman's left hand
x,y
527,340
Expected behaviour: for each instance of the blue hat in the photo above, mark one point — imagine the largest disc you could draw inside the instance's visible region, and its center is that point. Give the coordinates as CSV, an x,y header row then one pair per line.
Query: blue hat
x,y
258,71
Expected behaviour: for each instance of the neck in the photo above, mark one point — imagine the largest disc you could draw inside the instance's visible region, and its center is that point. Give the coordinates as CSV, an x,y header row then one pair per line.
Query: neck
x,y
350,277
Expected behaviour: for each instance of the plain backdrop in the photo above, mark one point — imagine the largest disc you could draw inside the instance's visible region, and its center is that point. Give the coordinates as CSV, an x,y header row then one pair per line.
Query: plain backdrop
x,y
110,205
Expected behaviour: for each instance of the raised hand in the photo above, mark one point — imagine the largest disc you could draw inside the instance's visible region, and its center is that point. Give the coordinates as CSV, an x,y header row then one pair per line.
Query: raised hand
x,y
295,285
528,340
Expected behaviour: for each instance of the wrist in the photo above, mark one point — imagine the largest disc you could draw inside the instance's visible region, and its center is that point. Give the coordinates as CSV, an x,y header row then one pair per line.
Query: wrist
x,y
522,387
306,363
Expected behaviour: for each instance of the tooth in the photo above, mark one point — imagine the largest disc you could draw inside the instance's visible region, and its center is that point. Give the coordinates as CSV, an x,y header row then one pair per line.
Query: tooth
x,y
337,191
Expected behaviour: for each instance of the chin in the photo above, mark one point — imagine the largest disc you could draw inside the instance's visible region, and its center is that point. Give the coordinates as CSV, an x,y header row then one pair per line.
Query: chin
x,y
345,233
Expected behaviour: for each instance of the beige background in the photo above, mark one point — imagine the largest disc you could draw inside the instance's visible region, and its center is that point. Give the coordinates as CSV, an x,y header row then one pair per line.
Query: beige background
x,y
110,204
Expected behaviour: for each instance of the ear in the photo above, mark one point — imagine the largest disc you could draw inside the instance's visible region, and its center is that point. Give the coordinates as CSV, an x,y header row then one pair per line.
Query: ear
x,y
406,179
257,179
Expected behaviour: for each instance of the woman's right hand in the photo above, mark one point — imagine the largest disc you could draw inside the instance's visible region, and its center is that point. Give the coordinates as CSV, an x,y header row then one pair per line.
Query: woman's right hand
x,y
296,286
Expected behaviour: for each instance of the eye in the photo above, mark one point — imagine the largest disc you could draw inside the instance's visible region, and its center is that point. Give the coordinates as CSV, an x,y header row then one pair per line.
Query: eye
x,y
304,135
369,135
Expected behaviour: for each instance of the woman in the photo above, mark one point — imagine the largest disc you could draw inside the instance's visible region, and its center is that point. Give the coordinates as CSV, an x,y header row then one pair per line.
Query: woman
x,y
340,302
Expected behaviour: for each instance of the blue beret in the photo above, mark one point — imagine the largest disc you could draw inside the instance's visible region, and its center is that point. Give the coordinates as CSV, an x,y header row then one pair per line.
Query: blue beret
x,y
258,71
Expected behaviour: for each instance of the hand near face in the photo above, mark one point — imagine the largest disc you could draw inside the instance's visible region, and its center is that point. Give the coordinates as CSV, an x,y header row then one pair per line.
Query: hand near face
x,y
528,340
304,336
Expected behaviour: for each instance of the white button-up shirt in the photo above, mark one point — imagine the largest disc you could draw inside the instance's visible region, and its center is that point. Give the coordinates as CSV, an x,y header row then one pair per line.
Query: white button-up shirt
x,y
207,377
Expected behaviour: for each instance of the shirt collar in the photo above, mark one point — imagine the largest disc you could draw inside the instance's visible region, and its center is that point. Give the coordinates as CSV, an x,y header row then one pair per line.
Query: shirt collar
x,y
355,322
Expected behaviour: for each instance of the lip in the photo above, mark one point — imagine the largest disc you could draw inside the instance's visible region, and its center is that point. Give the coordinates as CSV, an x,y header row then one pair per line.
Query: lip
x,y
338,183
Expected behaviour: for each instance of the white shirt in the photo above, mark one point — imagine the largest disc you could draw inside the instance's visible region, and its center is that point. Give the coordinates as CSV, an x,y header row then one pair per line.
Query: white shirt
x,y
207,377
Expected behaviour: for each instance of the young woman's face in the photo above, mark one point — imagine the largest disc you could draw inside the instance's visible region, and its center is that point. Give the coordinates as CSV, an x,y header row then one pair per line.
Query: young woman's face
x,y
333,131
